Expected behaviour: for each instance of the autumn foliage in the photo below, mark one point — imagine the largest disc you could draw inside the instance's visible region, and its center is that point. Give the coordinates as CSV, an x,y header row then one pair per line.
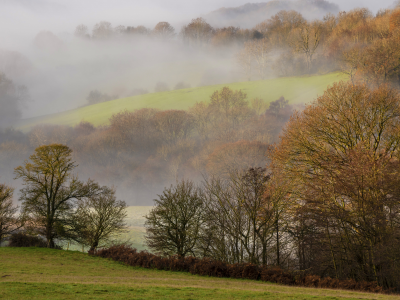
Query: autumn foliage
x,y
341,155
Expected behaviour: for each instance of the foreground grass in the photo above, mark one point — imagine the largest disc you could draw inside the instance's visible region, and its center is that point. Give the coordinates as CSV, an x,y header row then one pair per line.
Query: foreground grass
x,y
295,89
33,273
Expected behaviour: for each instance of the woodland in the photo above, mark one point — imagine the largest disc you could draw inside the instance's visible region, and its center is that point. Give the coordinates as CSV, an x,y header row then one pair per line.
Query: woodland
x,y
308,188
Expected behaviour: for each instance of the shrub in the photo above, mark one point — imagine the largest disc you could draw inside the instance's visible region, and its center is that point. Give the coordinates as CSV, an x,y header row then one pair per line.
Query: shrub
x,y
276,274
213,268
251,271
21,239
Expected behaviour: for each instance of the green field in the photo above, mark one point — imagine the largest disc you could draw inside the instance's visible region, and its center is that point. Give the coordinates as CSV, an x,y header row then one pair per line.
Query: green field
x,y
134,235
135,221
33,273
295,89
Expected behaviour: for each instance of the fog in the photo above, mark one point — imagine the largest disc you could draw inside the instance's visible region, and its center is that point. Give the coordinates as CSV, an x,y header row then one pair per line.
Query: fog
x,y
60,80
61,70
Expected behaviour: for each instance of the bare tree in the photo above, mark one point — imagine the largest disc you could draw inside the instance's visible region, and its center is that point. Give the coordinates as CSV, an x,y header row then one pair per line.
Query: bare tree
x,y
173,226
9,221
306,39
99,219
238,228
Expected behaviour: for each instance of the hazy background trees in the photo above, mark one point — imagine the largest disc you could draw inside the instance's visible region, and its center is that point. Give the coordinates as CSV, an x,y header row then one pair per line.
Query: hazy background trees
x,y
143,151
12,99
117,57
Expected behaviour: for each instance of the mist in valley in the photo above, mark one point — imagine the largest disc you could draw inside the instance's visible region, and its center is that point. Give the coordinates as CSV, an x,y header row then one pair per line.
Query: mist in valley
x,y
54,67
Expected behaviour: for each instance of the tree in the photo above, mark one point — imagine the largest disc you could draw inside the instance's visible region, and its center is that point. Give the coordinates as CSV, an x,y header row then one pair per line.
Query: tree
x,y
245,60
240,155
382,60
50,190
12,97
173,225
341,155
259,50
164,30
9,221
231,106
306,39
102,30
99,218
197,32
96,96
277,29
82,31
242,215
48,41
173,125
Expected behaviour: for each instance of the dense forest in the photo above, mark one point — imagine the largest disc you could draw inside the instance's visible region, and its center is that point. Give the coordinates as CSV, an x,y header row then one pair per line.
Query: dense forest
x,y
309,188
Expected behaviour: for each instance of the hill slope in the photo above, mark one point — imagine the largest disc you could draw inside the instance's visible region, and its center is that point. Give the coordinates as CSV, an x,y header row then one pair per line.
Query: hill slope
x,y
33,273
250,14
295,89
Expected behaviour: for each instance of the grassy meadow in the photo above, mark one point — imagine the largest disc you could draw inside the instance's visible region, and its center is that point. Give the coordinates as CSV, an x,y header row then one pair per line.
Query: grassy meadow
x,y
37,273
295,89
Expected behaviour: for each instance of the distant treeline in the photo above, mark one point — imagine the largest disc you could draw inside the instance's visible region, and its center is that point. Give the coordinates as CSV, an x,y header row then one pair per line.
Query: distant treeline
x,y
356,42
140,152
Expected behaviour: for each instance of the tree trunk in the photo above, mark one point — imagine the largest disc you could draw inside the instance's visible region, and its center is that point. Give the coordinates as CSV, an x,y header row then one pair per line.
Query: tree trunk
x,y
277,244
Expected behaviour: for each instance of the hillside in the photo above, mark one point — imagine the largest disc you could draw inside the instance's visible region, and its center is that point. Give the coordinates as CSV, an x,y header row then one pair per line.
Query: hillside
x,y
33,273
295,89
250,14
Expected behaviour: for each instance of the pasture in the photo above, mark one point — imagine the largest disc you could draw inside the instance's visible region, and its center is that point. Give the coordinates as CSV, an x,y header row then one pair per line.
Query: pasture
x,y
37,273
295,89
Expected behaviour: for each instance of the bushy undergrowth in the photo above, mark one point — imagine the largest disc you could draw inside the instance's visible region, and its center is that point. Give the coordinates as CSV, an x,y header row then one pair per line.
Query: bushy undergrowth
x,y
21,239
210,267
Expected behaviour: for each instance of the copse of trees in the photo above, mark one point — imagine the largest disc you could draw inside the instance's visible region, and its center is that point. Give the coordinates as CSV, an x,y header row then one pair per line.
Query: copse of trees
x,y
329,203
341,154
50,195
235,219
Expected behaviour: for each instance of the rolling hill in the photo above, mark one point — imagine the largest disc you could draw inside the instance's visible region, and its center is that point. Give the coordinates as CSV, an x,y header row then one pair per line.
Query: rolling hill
x,y
250,14
295,89
37,273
